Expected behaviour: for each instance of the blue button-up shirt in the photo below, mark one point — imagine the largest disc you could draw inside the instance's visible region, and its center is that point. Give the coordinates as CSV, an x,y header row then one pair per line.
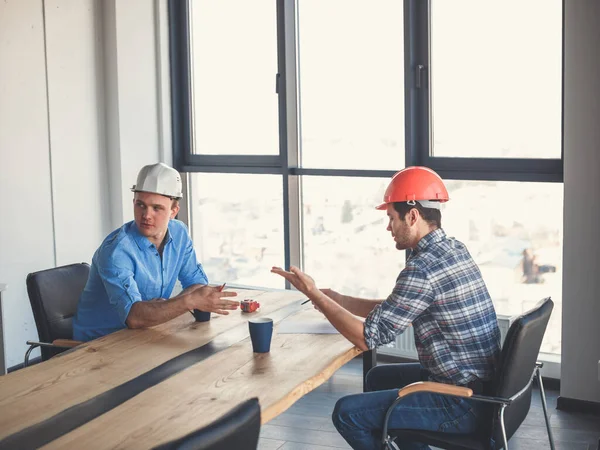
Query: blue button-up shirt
x,y
127,268
441,292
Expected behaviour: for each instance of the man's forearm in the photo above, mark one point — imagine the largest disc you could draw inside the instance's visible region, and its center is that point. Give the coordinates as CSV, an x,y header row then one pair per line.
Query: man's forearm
x,y
343,319
154,312
360,307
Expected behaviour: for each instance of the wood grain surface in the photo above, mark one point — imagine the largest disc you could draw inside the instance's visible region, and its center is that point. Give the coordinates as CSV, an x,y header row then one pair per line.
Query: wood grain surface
x,y
190,399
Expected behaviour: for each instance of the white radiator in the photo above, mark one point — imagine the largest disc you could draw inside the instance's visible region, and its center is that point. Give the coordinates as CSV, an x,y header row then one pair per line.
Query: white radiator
x,y
404,347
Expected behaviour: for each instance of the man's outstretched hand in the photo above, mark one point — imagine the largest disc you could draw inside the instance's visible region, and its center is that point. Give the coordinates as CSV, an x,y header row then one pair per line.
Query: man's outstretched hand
x,y
301,281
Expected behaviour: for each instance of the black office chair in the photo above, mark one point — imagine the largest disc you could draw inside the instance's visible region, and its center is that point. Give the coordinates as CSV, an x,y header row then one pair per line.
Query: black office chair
x,y
509,398
53,294
237,430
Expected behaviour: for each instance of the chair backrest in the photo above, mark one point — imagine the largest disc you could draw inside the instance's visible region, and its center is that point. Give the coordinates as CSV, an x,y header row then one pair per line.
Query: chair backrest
x,y
517,362
53,294
237,430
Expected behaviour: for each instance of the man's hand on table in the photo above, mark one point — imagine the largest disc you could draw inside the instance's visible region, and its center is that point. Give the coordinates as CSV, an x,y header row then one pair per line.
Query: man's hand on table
x,y
211,299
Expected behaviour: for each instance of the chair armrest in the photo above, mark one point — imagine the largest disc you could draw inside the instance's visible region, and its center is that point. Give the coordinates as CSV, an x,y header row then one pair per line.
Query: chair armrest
x,y
437,388
40,344
57,343
66,343
420,386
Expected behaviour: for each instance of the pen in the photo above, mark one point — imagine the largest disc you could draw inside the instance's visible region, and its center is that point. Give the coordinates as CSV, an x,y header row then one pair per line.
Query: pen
x,y
305,302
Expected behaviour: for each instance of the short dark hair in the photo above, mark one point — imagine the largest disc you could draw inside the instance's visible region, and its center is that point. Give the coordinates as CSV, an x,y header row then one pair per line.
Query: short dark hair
x,y
430,215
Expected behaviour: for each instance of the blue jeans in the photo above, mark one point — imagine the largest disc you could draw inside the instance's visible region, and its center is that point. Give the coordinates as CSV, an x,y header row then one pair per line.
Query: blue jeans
x,y
359,418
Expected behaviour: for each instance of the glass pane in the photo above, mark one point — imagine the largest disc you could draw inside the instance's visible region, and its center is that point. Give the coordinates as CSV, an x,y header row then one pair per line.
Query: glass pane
x,y
237,227
496,78
351,78
515,233
234,63
346,245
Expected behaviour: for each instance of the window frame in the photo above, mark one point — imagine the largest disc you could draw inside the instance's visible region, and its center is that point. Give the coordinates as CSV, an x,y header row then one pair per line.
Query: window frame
x,y
464,168
417,122
418,132
287,162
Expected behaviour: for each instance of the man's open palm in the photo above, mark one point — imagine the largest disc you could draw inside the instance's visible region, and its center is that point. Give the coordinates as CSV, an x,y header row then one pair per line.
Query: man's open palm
x,y
301,281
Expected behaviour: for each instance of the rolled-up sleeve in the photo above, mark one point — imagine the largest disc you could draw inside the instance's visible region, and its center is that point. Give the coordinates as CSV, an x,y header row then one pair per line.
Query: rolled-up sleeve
x,y
411,296
191,270
121,288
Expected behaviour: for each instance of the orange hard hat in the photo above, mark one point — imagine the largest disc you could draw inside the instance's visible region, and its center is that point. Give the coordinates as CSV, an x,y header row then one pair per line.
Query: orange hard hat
x,y
413,184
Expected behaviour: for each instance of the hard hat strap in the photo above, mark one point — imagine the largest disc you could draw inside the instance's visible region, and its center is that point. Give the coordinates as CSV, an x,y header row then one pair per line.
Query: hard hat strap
x,y
426,204
430,204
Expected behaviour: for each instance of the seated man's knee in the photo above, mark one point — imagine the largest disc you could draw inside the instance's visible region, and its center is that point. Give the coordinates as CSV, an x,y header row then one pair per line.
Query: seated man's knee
x,y
335,415
339,416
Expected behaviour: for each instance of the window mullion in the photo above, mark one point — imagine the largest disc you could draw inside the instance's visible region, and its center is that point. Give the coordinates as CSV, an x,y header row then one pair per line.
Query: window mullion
x,y
287,88
180,72
417,94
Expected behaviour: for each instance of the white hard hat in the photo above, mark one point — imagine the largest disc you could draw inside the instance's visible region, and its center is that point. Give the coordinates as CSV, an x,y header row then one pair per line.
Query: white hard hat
x,y
159,179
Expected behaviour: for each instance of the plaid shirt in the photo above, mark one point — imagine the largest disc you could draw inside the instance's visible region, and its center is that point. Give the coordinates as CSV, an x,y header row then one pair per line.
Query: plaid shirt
x,y
441,292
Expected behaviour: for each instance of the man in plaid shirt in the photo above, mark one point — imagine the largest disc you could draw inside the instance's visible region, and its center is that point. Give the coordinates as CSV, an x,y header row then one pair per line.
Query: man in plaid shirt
x,y
442,294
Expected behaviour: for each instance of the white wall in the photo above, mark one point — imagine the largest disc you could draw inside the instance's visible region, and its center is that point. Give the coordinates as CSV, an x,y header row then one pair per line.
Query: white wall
x,y
26,222
581,265
81,89
76,105
138,129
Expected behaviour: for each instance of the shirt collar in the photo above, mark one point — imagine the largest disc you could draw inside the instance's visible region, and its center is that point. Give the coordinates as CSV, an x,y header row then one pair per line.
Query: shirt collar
x,y
168,236
142,241
435,236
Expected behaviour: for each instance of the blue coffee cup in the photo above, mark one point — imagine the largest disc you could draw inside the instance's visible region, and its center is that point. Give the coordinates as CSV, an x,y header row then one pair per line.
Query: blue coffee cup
x,y
261,330
201,316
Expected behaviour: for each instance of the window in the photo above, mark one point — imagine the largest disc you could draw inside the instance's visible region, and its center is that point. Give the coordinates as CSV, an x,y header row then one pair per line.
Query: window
x,y
497,95
351,84
292,116
346,245
233,77
514,233
237,227
493,96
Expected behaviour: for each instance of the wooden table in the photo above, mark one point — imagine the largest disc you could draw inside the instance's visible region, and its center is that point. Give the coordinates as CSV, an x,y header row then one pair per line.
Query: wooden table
x,y
186,401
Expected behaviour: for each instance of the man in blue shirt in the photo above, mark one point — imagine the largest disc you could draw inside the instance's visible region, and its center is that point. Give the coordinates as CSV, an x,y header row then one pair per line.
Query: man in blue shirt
x,y
442,295
135,269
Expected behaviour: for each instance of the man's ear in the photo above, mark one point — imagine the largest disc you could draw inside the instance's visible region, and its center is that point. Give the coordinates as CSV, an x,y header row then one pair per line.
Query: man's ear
x,y
174,210
413,215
